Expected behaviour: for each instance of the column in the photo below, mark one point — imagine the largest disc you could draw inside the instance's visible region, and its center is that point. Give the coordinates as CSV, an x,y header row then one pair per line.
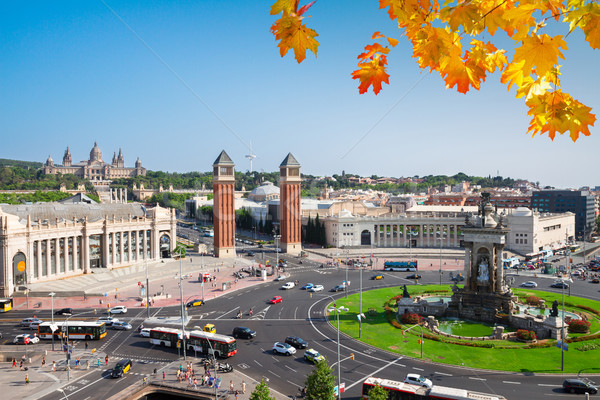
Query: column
x,y
76,251
105,249
145,244
129,247
38,245
121,247
421,228
85,243
57,254
455,235
114,248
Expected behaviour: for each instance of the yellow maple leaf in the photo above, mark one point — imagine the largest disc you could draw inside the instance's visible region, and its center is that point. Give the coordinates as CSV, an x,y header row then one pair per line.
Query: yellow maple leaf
x,y
292,34
466,15
285,6
541,51
520,20
513,74
461,73
372,73
592,29
431,45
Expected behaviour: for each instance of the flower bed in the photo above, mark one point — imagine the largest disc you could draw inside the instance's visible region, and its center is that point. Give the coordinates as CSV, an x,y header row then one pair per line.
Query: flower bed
x,y
578,326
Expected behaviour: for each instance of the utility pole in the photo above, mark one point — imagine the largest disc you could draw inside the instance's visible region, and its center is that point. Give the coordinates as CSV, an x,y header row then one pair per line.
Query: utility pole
x,y
181,298
147,293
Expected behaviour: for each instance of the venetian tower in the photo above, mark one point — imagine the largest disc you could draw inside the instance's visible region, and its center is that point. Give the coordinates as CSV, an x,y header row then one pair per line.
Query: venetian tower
x,y
289,201
223,207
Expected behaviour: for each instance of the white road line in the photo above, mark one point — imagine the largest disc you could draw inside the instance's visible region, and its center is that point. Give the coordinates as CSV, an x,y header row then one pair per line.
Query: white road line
x,y
418,369
548,385
80,389
442,373
293,383
274,373
259,364
373,373
402,365
290,368
222,315
511,382
477,379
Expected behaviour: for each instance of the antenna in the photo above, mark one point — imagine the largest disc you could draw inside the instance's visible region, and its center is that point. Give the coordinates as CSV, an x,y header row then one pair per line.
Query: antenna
x,y
251,156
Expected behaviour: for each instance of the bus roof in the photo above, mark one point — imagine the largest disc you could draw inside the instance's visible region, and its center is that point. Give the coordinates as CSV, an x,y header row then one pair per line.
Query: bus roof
x,y
208,335
405,387
73,323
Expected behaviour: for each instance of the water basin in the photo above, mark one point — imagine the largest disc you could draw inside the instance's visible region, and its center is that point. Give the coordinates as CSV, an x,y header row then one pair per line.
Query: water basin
x,y
462,327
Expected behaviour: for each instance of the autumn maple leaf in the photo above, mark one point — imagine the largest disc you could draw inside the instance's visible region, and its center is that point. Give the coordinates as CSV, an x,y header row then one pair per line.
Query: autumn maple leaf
x,y
541,51
372,73
292,34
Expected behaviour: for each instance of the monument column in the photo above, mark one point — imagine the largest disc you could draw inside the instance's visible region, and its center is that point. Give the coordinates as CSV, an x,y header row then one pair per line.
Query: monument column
x,y
223,206
289,205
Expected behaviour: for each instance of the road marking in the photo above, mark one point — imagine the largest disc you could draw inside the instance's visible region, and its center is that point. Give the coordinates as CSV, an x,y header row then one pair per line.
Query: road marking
x,y
230,311
373,373
418,369
402,365
548,385
477,379
97,380
442,373
511,382
290,368
259,364
274,374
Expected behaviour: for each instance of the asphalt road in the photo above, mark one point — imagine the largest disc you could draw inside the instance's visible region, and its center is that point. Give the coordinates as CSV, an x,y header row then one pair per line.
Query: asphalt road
x,y
301,315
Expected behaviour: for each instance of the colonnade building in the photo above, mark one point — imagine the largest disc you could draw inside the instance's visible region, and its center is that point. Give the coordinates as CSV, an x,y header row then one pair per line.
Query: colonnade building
x,y
48,241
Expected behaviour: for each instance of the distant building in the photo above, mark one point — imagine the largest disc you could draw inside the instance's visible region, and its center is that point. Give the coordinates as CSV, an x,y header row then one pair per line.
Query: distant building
x,y
47,241
94,169
579,202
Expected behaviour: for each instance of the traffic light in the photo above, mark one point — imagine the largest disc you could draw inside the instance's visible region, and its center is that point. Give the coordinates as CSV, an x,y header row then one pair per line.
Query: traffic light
x,y
352,356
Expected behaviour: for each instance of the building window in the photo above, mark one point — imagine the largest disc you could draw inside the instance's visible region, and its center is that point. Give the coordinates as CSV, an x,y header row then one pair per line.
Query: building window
x,y
79,255
148,244
61,254
125,246
35,259
133,246
141,244
70,249
44,255
53,256
118,247
110,248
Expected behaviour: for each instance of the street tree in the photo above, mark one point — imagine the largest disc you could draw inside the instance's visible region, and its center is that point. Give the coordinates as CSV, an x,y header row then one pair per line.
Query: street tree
x,y
320,383
261,392
378,393
448,37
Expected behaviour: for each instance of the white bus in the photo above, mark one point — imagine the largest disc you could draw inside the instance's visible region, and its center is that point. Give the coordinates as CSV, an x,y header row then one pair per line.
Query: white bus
x,y
166,337
512,262
81,330
209,343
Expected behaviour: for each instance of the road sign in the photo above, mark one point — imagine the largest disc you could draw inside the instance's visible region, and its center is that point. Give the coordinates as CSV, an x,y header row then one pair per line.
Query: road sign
x,y
53,327
342,387
560,343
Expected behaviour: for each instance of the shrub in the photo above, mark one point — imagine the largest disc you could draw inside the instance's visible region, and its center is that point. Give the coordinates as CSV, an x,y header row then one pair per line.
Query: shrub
x,y
533,300
525,334
590,309
583,338
579,326
410,318
372,312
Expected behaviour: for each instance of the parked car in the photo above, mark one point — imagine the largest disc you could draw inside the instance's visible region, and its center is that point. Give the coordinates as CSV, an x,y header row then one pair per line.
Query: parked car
x,y
338,288
26,338
316,288
108,320
195,303
243,332
64,311
560,285
288,285
121,326
307,286
313,356
415,379
283,348
276,299
529,284
118,310
27,321
414,276
145,332
595,280
281,278
297,342
377,277
579,386
122,367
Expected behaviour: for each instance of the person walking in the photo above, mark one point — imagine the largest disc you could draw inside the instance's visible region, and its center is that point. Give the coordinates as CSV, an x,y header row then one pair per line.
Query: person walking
x,y
99,362
14,362
195,383
43,361
86,346
164,376
231,386
106,359
244,387
237,393
26,379
53,366
21,365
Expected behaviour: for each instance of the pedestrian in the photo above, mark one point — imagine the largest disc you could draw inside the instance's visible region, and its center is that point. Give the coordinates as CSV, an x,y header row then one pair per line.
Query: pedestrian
x,y
77,362
164,376
231,386
145,380
43,361
26,379
106,359
195,383
86,345
54,366
99,363
21,365
244,387
237,393
87,364
14,362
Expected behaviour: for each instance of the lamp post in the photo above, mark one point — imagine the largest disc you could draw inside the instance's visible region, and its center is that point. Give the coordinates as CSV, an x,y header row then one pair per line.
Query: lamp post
x,y
441,240
360,315
181,299
52,315
337,312
147,293
216,367
414,326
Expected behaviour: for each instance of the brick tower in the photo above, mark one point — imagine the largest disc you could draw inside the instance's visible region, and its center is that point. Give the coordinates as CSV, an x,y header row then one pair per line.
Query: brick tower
x,y
223,207
289,187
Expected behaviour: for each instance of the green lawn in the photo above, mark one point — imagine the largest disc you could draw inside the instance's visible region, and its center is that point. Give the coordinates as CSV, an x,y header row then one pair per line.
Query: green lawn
x,y
378,332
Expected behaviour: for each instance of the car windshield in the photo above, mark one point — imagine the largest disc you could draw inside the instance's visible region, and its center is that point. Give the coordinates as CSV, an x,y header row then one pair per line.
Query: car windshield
x,y
421,379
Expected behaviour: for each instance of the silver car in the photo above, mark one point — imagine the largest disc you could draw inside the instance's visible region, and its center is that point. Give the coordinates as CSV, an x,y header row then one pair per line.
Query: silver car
x,y
122,326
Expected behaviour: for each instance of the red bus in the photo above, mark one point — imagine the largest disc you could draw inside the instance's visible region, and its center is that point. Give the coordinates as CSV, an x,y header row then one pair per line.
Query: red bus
x,y
211,343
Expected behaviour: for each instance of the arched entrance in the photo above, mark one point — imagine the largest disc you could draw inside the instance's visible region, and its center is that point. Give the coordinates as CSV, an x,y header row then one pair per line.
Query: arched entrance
x,y
365,238
19,269
165,246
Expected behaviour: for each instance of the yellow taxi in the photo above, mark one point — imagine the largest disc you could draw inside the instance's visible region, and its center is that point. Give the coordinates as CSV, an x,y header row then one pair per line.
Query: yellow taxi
x,y
121,368
377,277
195,303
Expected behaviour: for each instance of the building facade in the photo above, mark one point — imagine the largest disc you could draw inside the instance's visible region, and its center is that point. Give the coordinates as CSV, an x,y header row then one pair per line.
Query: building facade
x,y
48,241
579,202
94,169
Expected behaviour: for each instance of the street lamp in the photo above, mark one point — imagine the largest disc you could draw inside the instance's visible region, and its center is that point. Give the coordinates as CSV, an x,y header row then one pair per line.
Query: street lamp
x,y
337,311
147,293
181,249
51,294
441,240
414,326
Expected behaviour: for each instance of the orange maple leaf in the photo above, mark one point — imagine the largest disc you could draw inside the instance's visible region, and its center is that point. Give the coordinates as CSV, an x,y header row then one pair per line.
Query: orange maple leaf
x,y
285,6
462,74
541,51
292,34
592,29
372,73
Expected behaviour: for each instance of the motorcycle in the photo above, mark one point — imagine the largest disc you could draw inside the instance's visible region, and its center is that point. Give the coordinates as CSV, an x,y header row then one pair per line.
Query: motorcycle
x,y
224,367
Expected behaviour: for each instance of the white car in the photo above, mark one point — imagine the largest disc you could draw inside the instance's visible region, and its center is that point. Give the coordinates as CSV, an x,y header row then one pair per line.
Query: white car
x,y
281,278
27,321
145,332
283,348
529,284
108,320
118,310
28,338
288,285
316,288
415,379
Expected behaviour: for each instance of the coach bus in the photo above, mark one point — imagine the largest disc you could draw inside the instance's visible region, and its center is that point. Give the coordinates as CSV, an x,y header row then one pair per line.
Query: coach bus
x,y
410,266
82,330
404,391
166,337
6,305
208,343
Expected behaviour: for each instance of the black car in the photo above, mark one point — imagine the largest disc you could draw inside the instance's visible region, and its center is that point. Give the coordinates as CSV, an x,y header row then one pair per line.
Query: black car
x,y
64,311
241,332
250,254
122,367
297,342
338,288
579,386
560,285
414,276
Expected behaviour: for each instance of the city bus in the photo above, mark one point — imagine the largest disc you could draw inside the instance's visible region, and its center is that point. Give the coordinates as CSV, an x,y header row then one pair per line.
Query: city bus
x,y
534,256
208,343
410,266
82,330
512,262
166,337
6,305
404,391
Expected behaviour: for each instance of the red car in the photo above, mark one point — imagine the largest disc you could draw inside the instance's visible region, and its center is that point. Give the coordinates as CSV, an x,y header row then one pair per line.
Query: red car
x,y
276,299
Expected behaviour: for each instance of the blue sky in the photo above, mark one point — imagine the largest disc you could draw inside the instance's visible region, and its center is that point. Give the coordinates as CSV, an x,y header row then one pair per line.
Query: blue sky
x,y
73,72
